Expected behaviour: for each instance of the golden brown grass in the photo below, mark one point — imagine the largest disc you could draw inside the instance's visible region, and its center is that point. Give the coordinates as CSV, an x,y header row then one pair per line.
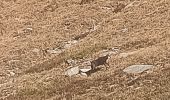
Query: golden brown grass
x,y
142,27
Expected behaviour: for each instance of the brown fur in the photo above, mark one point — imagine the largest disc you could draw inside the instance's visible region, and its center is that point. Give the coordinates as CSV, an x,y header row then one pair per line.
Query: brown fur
x,y
99,61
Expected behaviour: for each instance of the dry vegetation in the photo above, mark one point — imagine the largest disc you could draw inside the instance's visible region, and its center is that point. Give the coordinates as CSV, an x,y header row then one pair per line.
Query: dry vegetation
x,y
142,26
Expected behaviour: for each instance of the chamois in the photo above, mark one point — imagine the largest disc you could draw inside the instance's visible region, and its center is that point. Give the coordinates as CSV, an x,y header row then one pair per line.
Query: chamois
x,y
100,61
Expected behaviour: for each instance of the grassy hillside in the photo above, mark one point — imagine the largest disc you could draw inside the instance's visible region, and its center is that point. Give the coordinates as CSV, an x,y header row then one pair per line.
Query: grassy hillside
x,y
29,28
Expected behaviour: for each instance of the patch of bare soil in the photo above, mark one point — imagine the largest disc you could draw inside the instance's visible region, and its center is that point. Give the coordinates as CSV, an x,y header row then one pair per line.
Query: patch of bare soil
x,y
31,32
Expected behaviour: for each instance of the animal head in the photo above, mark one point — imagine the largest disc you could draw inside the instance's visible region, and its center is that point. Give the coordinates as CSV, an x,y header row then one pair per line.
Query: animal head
x,y
108,55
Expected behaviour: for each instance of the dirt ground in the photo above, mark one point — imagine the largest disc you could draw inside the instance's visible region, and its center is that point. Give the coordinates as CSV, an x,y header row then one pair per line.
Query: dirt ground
x,y
28,28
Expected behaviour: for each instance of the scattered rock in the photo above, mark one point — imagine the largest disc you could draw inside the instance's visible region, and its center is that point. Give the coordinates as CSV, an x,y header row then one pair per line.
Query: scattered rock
x,y
12,73
72,71
27,30
116,49
135,69
124,30
86,64
83,74
71,62
85,70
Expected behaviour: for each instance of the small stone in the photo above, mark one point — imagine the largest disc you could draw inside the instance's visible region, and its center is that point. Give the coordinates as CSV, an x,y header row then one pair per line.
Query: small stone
x,y
27,30
83,74
11,73
115,49
135,69
72,71
85,70
71,62
124,30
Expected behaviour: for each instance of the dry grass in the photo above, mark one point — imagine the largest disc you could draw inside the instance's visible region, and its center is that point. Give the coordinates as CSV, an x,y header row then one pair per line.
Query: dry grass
x,y
141,26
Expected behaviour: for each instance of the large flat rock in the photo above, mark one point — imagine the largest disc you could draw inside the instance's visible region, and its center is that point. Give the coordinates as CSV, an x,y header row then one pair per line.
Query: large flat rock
x,y
72,71
137,68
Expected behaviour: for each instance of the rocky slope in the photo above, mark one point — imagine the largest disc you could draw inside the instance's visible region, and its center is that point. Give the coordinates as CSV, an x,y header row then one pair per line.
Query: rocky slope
x,y
38,36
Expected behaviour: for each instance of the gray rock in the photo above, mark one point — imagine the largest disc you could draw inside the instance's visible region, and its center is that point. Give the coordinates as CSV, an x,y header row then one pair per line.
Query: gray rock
x,y
12,73
135,69
72,71
85,66
83,74
71,62
29,28
85,70
124,30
